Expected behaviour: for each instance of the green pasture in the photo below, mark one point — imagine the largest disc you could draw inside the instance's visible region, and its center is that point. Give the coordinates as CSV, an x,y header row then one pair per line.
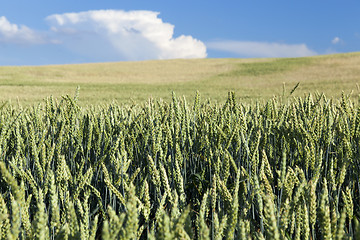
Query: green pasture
x,y
126,82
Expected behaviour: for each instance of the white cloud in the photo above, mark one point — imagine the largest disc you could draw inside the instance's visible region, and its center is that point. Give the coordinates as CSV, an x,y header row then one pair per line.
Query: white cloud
x,y
261,49
132,35
12,33
335,40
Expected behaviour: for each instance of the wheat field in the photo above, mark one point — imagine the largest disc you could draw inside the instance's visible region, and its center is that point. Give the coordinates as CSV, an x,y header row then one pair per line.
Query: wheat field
x,y
286,168
182,149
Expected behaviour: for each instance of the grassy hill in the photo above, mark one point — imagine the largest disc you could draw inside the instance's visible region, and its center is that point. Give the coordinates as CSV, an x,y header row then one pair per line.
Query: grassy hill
x,y
125,82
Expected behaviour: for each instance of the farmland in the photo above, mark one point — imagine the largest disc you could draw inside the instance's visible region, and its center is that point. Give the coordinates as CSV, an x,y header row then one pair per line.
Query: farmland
x,y
261,162
128,82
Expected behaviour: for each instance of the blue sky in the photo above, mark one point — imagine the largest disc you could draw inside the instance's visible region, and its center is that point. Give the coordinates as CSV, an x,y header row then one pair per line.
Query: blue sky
x,y
63,32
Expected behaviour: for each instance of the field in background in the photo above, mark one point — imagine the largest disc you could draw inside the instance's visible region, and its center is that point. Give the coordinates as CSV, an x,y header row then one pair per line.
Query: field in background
x,y
125,82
